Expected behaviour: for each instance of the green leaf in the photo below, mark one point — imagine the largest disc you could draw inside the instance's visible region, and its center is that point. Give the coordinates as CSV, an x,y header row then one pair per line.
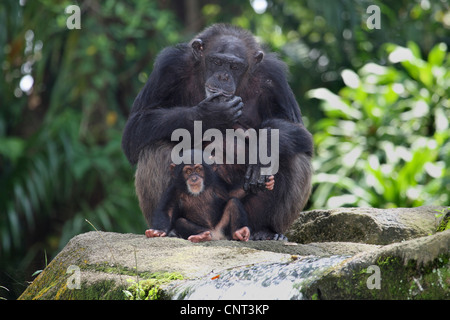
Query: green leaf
x,y
36,273
415,49
437,54
12,147
334,105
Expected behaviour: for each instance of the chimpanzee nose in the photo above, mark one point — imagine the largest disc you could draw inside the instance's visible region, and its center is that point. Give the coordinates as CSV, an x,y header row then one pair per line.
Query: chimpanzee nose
x,y
223,77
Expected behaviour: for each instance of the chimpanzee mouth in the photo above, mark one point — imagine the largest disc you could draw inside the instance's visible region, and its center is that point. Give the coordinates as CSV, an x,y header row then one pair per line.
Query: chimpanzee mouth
x,y
210,91
195,189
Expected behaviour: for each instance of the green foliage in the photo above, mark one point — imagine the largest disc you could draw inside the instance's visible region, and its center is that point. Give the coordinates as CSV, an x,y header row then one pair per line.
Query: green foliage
x,y
385,140
445,221
319,38
60,155
150,288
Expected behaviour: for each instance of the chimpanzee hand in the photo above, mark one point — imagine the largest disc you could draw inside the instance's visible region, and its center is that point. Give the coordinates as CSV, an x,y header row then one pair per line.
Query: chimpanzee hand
x,y
255,181
217,111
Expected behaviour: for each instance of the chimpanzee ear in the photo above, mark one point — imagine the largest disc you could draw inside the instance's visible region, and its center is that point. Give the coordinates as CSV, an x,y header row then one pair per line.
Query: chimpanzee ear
x,y
197,48
259,56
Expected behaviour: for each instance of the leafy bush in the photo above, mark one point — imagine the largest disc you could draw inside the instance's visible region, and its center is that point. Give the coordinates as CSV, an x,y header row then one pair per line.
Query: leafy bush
x,y
385,139
60,155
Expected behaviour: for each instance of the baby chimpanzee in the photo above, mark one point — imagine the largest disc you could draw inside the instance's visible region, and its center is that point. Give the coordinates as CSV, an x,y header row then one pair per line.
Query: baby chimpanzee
x,y
199,207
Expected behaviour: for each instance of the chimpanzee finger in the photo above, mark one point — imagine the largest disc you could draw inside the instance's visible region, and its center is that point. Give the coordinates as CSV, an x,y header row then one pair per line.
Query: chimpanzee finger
x,y
262,182
235,100
270,182
238,107
213,96
237,112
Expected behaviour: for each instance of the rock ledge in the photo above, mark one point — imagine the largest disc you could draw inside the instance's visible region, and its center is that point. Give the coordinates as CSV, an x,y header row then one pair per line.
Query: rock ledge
x,y
346,253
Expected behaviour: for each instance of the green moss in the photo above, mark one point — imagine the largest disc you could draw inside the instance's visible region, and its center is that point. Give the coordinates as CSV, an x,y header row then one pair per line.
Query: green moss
x,y
100,290
44,286
52,283
110,268
315,296
398,281
150,288
445,222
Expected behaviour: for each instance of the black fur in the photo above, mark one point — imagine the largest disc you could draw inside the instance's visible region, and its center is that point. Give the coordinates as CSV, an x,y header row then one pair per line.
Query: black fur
x,y
213,209
172,99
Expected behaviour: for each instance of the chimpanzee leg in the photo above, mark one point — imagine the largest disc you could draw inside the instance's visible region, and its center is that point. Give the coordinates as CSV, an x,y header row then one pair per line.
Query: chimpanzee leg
x,y
187,229
234,223
152,178
271,212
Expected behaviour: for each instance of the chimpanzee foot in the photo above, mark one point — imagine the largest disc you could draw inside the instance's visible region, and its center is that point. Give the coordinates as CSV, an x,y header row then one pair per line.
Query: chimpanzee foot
x,y
268,235
201,237
242,234
280,237
153,233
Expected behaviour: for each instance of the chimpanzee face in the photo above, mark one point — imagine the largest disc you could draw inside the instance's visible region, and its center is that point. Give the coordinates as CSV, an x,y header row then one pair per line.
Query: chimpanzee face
x,y
225,63
189,177
194,176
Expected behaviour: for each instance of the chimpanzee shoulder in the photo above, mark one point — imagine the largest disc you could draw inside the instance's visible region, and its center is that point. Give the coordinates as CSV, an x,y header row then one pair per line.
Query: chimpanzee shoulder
x,y
272,74
169,74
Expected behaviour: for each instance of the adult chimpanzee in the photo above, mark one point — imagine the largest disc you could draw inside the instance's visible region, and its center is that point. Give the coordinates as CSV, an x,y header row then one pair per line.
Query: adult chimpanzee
x,y
224,79
199,206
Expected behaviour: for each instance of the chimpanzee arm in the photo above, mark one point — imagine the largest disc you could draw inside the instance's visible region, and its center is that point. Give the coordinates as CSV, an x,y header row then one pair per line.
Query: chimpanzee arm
x,y
154,107
293,137
282,111
166,212
166,103
148,126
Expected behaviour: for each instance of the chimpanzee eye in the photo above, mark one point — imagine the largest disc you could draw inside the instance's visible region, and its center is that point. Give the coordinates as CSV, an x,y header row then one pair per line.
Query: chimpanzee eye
x,y
198,170
217,62
189,172
234,66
